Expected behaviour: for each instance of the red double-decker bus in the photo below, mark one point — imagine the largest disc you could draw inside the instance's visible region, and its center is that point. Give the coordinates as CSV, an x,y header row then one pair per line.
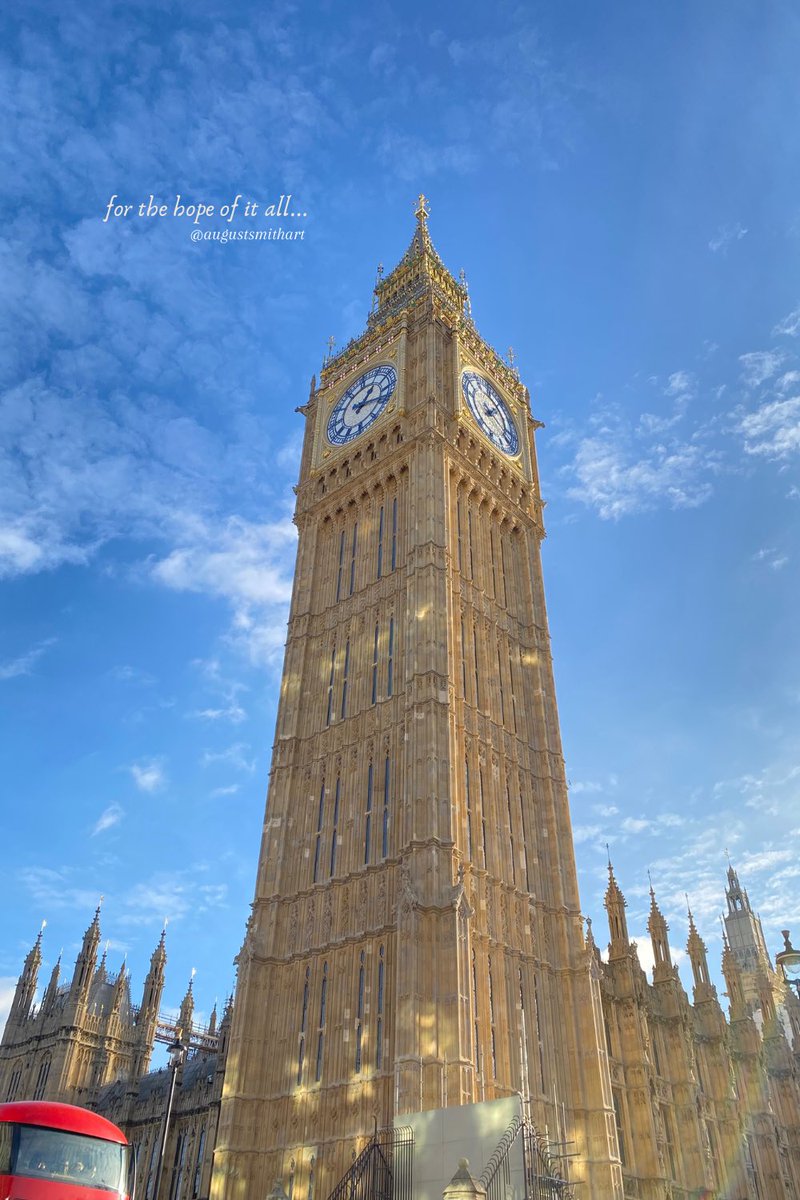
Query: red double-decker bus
x,y
59,1152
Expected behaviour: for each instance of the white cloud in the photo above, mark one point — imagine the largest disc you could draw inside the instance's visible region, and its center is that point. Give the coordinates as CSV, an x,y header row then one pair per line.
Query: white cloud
x,y
605,810
725,236
24,664
760,365
172,895
585,833
148,776
230,790
773,429
771,558
636,824
250,565
619,479
789,325
234,756
110,817
233,713
52,888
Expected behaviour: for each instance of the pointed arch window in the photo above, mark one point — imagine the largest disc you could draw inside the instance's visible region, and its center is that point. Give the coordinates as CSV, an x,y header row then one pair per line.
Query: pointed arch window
x,y
468,805
318,839
329,712
390,660
360,1012
353,558
491,1020
334,832
375,663
323,1001
301,1049
341,567
379,1022
387,783
394,533
368,817
344,679
379,570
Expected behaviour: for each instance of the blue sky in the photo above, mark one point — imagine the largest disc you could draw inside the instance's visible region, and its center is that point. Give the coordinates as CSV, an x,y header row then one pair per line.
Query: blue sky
x,y
620,183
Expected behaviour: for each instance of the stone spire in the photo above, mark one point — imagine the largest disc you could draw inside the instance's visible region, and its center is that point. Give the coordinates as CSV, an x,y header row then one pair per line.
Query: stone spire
x,y
86,960
733,981
420,272
616,904
186,1012
658,929
52,987
154,983
26,984
696,949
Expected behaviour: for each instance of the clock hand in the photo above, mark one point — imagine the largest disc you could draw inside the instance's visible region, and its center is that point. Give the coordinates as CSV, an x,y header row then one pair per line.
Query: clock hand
x,y
360,404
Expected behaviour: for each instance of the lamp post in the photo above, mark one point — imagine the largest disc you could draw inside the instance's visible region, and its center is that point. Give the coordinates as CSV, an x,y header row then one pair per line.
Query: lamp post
x,y
177,1054
789,962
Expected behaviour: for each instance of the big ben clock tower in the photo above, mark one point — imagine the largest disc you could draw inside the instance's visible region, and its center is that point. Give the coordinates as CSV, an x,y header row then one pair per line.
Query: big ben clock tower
x,y
415,940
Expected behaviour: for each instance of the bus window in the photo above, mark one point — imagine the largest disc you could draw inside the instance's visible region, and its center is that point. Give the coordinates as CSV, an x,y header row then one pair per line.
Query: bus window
x,y
41,1153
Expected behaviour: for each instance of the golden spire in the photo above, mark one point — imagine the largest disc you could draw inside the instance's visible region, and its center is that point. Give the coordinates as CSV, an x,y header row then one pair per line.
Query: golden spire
x,y
423,210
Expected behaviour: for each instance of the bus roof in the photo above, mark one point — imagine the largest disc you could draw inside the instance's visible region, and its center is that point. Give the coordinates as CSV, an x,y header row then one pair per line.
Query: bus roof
x,y
61,1116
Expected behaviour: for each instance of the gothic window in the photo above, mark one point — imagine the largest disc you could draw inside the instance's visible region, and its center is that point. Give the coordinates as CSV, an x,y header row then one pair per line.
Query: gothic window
x,y
669,1141
344,680
511,836
311,1181
475,650
198,1170
41,1081
177,1167
379,1023
379,571
469,538
341,566
335,826
494,560
323,999
538,1031
458,538
390,663
617,1098
491,1022
353,558
13,1084
483,817
468,801
318,841
368,817
394,533
329,713
301,1049
387,779
513,695
375,664
360,1012
500,686
475,1014
463,662
503,570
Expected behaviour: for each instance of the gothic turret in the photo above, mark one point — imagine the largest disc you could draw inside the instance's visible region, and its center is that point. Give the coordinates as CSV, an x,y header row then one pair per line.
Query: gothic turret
x,y
658,929
147,1018
86,961
745,935
616,904
49,999
186,1012
26,985
696,949
733,981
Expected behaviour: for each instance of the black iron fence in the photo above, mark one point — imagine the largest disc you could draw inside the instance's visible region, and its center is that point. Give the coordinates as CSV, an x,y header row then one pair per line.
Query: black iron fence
x,y
383,1169
543,1180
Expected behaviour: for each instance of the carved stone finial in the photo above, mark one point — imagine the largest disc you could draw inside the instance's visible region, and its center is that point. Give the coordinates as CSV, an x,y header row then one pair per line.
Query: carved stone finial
x,y
423,209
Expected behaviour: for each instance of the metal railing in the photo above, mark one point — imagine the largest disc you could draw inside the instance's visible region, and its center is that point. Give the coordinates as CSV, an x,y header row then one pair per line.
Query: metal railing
x,y
383,1169
543,1180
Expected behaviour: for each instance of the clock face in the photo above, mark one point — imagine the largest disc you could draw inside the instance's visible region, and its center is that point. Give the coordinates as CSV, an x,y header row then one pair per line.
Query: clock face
x,y
361,405
491,412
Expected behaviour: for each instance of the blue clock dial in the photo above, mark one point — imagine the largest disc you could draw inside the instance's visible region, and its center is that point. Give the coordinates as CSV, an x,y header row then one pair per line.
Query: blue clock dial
x,y
361,405
491,412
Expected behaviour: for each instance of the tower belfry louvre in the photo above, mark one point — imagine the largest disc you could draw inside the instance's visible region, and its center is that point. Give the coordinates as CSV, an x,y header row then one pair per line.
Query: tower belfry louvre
x,y
415,941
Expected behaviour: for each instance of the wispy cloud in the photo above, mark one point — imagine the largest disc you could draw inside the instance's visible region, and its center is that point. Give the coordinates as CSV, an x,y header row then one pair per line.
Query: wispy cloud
x,y
149,776
725,236
230,790
760,365
771,558
773,429
234,756
110,817
611,477
25,663
789,326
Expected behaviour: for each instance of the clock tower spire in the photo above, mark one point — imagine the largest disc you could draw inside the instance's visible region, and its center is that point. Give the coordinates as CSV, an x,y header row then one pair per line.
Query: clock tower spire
x,y
416,918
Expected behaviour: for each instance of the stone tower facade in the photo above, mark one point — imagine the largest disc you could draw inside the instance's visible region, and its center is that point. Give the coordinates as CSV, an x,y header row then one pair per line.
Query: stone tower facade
x,y
745,937
415,939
